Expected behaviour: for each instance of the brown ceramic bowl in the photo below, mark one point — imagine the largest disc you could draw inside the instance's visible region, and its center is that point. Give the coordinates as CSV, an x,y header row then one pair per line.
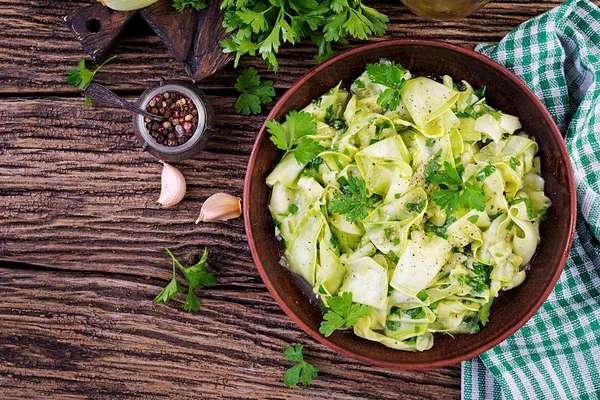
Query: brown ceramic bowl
x,y
506,92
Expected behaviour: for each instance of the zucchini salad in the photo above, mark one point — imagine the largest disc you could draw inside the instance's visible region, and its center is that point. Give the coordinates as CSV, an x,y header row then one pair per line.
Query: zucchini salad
x,y
407,204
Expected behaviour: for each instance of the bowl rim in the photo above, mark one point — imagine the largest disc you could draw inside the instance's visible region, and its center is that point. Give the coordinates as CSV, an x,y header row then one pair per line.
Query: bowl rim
x,y
499,338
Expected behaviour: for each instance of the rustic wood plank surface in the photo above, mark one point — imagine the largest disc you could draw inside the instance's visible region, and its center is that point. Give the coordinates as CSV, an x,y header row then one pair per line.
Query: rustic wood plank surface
x,y
78,206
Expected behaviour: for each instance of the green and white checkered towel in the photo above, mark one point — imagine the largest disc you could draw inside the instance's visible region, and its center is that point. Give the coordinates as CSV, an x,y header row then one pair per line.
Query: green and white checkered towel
x,y
556,355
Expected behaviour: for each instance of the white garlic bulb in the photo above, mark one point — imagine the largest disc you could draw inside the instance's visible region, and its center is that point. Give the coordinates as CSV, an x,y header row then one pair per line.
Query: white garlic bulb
x,y
220,207
172,186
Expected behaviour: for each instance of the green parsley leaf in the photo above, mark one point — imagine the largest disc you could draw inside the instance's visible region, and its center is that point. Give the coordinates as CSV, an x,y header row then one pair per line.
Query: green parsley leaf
x,y
429,142
352,201
484,312
293,209
388,74
389,98
82,77
472,197
299,124
393,256
181,5
469,113
259,28
303,371
307,150
197,276
253,92
342,313
170,291
456,194
448,176
391,75
422,296
485,172
359,84
192,302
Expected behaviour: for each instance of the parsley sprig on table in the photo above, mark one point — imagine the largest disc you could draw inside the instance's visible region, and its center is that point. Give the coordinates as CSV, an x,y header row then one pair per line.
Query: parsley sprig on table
x,y
342,312
352,201
181,5
303,371
261,26
82,77
253,92
299,124
453,193
197,276
391,75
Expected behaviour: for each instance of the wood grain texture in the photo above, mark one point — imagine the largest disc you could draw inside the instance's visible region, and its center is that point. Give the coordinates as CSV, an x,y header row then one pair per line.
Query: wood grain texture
x,y
78,198
78,335
44,48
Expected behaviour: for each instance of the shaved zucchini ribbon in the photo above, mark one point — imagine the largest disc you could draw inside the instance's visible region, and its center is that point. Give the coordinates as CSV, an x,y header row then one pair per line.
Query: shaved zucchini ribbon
x,y
415,282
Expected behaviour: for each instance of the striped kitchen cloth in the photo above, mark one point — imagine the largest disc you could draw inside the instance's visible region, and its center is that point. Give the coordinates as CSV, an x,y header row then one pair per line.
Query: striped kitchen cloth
x,y
556,355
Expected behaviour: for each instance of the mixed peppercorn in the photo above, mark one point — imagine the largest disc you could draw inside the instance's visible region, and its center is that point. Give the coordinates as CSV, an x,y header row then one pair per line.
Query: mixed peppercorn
x,y
181,118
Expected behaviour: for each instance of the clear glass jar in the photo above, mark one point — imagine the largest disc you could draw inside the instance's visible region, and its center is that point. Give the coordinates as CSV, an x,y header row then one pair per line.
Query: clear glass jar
x,y
444,9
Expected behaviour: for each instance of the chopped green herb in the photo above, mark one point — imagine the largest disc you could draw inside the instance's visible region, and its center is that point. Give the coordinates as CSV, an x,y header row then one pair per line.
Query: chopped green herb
x,y
392,256
352,201
422,296
531,213
496,114
485,172
392,325
513,163
441,230
469,113
416,313
429,142
292,209
416,207
333,241
473,218
359,84
315,164
480,92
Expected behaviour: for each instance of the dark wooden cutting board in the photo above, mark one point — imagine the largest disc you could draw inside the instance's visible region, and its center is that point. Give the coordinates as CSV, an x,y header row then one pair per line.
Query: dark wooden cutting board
x,y
192,37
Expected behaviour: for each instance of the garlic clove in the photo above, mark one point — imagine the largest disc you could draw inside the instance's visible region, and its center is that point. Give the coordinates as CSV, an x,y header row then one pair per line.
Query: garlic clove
x,y
220,207
172,186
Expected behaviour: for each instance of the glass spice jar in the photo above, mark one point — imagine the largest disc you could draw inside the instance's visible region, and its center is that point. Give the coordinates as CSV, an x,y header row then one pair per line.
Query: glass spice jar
x,y
189,120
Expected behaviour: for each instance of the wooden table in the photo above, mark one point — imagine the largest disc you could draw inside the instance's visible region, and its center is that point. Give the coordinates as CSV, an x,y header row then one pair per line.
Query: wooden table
x,y
82,237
